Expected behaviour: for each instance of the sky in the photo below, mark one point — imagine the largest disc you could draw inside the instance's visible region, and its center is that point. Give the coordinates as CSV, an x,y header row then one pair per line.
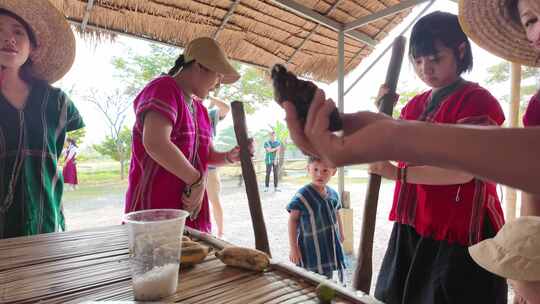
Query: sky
x,y
93,68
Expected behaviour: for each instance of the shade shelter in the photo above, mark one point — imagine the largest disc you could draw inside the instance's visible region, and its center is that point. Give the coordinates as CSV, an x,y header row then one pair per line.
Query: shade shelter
x,y
306,35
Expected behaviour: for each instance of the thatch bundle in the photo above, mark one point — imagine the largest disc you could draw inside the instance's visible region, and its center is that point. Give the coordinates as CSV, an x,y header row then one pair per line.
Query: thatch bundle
x,y
257,32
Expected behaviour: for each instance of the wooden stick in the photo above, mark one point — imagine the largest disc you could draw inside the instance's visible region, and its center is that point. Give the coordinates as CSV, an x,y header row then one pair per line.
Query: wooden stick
x,y
250,178
363,272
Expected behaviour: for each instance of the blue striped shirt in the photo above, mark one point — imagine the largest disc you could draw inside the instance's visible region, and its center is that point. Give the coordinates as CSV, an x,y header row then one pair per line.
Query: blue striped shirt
x,y
318,231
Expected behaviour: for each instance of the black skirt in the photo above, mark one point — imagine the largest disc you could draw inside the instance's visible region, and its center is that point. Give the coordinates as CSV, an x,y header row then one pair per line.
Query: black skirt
x,y
420,270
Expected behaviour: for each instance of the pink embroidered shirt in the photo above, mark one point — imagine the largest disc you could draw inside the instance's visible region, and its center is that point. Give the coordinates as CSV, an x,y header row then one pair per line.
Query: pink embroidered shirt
x,y
532,114
150,185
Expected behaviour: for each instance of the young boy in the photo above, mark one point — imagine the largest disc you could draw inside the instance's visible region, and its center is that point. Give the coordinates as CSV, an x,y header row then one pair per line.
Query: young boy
x,y
315,227
514,253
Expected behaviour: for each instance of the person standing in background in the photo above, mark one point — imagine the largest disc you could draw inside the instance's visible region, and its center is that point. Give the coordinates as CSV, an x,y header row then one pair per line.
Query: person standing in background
x,y
271,147
70,164
217,111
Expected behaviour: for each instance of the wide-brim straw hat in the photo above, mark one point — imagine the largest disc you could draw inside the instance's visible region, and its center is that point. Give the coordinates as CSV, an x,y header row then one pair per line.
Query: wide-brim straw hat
x,y
489,24
55,51
514,253
209,53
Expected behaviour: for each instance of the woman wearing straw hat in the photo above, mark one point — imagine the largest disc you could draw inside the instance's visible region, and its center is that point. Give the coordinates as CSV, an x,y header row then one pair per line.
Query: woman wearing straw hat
x,y
517,39
37,47
514,253
172,145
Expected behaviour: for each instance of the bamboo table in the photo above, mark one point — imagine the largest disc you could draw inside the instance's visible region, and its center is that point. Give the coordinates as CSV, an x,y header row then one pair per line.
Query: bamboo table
x,y
92,265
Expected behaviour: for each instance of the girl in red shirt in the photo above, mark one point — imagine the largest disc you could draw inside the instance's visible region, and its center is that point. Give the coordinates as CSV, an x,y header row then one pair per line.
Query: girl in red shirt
x,y
438,212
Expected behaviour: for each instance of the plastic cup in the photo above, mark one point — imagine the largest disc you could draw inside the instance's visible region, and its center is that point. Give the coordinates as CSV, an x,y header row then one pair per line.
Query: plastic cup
x,y
155,247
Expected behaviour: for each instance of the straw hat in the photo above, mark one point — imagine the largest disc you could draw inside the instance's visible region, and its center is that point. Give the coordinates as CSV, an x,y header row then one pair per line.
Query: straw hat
x,y
489,24
207,52
514,253
55,50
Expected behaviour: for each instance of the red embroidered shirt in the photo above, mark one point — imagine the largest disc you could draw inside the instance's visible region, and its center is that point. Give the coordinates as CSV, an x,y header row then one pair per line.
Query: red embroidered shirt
x,y
454,213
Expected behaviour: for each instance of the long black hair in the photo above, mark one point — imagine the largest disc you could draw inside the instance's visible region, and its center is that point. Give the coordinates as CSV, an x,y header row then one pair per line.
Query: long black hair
x,y
25,71
444,28
513,12
180,63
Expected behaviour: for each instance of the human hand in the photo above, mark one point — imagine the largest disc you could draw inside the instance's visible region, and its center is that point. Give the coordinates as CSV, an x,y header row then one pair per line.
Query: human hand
x,y
294,255
384,169
233,155
295,126
383,90
193,195
366,135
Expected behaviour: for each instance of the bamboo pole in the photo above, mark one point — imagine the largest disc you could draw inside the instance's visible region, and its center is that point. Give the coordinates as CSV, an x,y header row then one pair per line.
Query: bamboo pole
x,y
250,178
515,92
363,272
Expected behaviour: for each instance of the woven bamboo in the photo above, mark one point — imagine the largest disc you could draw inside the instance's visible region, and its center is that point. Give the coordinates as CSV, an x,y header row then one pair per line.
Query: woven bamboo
x,y
93,265
257,32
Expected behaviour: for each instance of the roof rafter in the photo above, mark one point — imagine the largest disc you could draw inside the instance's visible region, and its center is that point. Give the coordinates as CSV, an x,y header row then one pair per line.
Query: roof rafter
x,y
382,13
323,20
86,17
226,18
312,32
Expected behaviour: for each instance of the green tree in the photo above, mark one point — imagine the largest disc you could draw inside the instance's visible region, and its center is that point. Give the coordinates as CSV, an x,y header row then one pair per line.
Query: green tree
x,y
136,69
114,108
225,139
118,148
500,73
253,88
404,97
77,135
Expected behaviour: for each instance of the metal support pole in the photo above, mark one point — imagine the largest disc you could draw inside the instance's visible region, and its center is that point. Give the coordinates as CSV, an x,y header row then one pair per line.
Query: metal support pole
x,y
341,103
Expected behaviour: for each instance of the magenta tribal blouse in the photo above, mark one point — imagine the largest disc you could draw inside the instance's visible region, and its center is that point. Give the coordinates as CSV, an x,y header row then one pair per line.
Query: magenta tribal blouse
x,y
150,185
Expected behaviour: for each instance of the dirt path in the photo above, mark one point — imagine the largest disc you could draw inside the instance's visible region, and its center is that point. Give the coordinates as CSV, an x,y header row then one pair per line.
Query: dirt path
x,y
105,208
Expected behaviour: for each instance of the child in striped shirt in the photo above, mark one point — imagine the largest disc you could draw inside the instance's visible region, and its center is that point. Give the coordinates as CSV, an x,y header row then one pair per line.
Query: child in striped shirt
x,y
315,226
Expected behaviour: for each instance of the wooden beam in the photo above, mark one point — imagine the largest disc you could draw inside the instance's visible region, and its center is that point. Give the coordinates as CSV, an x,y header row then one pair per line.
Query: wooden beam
x,y
363,271
510,200
331,9
323,20
226,18
250,178
89,6
403,5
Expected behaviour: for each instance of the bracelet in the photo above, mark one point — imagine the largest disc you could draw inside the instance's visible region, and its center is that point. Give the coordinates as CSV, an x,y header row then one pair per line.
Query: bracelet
x,y
228,159
188,188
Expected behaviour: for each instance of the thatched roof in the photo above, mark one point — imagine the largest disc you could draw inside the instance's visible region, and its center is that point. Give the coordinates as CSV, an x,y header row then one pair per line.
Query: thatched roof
x,y
258,32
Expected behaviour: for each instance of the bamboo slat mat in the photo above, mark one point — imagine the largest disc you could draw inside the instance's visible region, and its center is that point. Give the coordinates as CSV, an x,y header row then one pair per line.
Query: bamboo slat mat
x,y
93,265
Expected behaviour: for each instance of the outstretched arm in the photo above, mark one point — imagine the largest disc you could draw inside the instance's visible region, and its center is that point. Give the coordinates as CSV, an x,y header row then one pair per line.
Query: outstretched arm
x,y
424,175
508,156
